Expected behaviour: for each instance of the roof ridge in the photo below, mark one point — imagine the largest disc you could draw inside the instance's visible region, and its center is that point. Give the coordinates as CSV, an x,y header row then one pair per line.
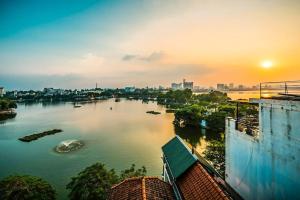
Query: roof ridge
x,y
144,189
127,179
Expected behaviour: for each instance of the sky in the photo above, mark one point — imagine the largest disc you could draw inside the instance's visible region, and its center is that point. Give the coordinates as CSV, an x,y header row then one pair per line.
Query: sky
x,y
74,44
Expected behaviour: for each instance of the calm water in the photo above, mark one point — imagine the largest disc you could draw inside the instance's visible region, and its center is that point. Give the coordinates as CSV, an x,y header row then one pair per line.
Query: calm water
x,y
118,137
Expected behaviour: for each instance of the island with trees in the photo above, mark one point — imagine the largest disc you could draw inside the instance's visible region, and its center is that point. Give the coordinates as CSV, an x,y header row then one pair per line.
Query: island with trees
x,y
7,107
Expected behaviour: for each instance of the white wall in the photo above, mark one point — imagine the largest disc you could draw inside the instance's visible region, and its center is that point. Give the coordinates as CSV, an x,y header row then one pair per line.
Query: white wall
x,y
266,167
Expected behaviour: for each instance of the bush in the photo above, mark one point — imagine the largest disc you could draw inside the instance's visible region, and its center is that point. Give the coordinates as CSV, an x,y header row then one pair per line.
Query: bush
x,y
25,187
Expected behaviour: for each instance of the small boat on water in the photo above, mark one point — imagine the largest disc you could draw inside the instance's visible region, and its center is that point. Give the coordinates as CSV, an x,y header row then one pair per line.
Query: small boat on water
x,y
77,106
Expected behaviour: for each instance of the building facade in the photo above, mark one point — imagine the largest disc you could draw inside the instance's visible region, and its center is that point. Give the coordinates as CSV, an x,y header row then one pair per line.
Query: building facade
x,y
267,165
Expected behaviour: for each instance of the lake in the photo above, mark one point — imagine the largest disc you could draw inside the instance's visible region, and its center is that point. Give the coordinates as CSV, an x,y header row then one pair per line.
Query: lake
x,y
117,137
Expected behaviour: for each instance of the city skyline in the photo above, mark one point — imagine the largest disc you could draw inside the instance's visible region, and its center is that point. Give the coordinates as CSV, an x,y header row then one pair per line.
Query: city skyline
x,y
147,43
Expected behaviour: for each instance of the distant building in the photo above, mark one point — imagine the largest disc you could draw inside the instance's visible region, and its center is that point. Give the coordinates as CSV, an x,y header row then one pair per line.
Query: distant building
x,y
265,164
231,85
220,86
241,87
2,91
176,86
187,85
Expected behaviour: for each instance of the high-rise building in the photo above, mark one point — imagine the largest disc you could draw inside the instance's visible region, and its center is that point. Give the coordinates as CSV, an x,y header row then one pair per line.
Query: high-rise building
x,y
176,86
187,85
2,91
220,86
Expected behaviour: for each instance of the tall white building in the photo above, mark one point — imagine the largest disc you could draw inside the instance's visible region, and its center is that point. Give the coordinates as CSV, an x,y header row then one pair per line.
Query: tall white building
x,y
2,91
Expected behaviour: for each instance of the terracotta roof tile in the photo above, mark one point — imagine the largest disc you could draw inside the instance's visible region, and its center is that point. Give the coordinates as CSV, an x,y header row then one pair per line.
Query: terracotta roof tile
x,y
196,183
142,188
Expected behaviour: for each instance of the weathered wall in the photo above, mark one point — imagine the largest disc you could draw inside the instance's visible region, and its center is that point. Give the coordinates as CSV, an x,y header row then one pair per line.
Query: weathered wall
x,y
268,166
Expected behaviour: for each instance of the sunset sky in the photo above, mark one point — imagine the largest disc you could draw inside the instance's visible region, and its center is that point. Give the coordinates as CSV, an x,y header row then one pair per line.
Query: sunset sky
x,y
74,44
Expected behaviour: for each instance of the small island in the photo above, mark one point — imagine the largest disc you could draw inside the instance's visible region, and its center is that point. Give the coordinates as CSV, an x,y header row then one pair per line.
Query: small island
x,y
7,107
153,112
35,136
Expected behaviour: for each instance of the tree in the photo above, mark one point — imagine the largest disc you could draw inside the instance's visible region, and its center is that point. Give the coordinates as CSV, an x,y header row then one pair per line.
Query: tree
x,y
92,183
25,187
189,115
216,120
132,172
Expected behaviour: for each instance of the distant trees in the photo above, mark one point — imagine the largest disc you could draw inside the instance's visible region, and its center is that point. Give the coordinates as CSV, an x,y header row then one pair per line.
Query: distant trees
x,y
95,181
174,97
25,187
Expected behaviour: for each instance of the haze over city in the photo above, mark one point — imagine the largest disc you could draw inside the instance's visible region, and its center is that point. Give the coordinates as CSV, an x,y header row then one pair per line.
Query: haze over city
x,y
147,43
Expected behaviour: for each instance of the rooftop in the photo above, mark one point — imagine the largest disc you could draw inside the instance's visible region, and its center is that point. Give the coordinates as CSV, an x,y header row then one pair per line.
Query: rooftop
x,y
192,178
142,188
178,156
196,183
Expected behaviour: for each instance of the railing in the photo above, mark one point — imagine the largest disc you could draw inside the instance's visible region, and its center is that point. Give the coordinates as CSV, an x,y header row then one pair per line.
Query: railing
x,y
282,88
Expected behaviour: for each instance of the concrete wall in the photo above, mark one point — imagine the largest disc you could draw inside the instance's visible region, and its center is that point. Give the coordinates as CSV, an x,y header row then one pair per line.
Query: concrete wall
x,y
267,166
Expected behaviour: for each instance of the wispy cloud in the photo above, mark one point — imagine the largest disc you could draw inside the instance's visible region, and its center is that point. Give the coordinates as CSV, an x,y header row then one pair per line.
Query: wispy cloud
x,y
154,56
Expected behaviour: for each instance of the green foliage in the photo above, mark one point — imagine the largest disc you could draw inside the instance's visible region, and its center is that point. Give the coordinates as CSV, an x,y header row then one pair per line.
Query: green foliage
x,y
132,172
175,96
215,152
189,115
6,104
92,183
227,108
25,187
216,120
213,96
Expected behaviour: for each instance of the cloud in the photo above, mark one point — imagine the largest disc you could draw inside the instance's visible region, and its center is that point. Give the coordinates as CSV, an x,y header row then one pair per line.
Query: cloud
x,y
154,56
91,59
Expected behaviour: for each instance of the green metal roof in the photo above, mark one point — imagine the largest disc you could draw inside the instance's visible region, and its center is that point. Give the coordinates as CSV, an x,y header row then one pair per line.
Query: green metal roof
x,y
178,156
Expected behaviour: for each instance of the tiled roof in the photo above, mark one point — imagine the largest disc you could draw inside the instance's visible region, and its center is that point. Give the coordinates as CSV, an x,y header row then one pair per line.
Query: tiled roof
x,y
178,156
142,188
196,183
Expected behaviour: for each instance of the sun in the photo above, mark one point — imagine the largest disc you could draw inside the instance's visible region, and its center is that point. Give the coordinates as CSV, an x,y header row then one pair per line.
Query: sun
x,y
267,64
